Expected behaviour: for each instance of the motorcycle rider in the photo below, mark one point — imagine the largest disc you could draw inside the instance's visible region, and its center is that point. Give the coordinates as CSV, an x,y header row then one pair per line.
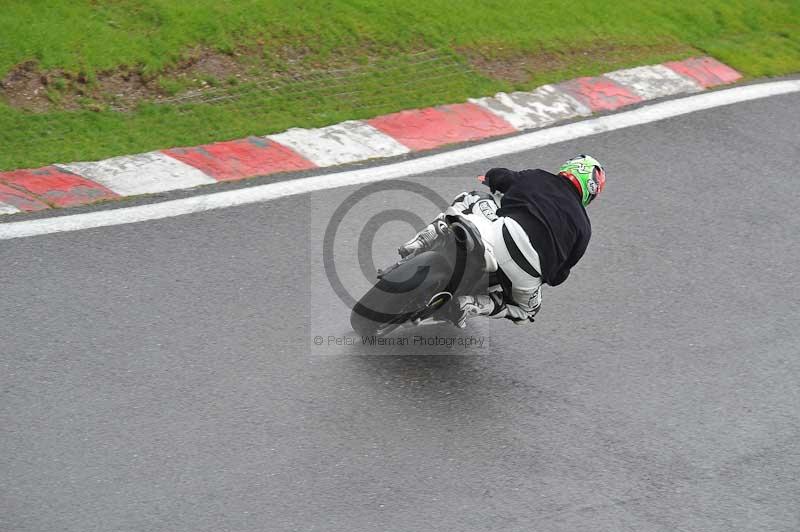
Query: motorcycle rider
x,y
539,232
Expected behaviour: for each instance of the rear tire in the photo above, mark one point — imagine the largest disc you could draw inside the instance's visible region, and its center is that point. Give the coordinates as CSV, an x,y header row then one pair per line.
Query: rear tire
x,y
400,294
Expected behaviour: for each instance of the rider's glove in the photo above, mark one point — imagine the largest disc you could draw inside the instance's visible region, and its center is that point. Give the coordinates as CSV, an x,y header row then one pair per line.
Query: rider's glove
x,y
499,179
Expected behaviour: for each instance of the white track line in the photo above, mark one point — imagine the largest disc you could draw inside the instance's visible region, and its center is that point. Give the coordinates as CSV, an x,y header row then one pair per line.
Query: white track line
x,y
271,191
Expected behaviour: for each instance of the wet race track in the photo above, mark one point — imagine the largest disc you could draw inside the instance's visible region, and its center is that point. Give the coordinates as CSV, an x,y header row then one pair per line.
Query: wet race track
x,y
164,376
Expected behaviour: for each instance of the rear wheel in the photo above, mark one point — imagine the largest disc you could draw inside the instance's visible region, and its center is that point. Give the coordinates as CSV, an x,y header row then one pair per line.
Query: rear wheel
x,y
400,295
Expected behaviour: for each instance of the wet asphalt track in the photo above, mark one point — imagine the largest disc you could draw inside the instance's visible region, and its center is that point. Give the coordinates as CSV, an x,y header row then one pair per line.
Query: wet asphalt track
x,y
162,375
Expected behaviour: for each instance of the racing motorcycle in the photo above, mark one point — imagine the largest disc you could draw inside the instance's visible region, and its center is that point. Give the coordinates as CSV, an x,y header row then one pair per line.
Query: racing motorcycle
x,y
423,287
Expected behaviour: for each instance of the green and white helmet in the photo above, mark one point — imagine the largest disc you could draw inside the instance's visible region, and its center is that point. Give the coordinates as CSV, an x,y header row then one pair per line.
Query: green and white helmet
x,y
587,174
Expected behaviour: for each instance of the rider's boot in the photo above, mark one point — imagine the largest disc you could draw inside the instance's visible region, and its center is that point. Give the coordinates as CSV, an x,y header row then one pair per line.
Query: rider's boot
x,y
426,238
471,306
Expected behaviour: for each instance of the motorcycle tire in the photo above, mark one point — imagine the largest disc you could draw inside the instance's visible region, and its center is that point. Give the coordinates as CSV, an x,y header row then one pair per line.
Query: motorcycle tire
x,y
400,294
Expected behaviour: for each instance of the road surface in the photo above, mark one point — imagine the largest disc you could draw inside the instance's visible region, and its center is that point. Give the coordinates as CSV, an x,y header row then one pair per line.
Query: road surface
x,y
163,375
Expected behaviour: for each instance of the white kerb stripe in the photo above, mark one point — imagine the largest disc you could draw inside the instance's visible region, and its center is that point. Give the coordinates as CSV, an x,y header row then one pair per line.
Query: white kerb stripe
x,y
340,143
519,143
5,208
144,173
655,81
529,110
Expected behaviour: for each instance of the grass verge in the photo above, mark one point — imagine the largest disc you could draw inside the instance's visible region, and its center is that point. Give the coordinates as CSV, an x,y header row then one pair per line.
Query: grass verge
x,y
86,80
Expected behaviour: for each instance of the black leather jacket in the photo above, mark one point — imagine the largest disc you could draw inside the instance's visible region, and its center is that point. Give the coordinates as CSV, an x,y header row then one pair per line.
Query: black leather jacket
x,y
549,209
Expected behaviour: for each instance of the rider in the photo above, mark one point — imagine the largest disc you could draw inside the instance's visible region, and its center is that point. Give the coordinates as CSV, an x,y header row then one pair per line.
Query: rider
x,y
537,234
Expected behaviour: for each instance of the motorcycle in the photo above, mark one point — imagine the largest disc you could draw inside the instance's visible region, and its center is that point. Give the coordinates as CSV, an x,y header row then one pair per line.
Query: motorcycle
x,y
423,288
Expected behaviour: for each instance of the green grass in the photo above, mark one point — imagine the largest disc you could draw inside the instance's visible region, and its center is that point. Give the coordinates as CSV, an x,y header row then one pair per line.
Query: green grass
x,y
758,37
